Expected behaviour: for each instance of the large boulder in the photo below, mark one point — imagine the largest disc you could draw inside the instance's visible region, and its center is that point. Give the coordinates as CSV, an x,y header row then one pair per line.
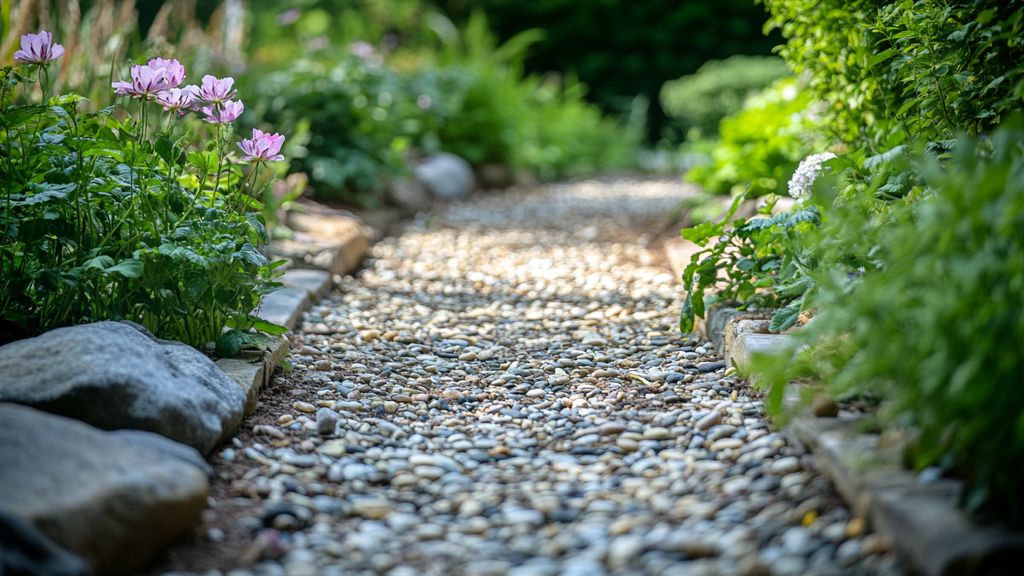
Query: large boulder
x,y
116,375
107,500
26,551
446,176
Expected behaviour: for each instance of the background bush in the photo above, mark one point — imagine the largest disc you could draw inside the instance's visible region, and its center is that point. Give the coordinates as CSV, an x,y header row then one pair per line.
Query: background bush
x,y
897,71
696,103
913,270
760,146
621,48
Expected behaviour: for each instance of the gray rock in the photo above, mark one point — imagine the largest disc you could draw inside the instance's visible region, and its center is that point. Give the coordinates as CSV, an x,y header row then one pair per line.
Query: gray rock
x,y
446,176
97,495
408,193
25,550
116,375
158,445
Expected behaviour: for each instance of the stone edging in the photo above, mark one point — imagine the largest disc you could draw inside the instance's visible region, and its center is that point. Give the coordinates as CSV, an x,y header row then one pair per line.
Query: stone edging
x,y
921,519
336,242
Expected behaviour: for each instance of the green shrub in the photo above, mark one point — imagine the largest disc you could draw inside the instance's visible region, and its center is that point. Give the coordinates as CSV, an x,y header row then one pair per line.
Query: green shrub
x,y
698,102
622,48
918,70
110,218
761,145
354,121
947,275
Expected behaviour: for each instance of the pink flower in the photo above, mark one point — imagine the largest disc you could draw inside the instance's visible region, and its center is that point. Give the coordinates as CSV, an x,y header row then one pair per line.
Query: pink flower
x,y
227,112
216,90
151,79
262,147
38,49
173,70
176,99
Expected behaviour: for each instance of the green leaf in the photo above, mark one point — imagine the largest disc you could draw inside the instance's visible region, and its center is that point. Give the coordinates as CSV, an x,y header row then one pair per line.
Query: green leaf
x,y
128,268
880,57
785,317
229,344
686,316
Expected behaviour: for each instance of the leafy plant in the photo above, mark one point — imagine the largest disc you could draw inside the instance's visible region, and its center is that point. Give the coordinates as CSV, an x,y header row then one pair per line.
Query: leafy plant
x,y
760,146
106,215
698,102
947,274
909,70
744,261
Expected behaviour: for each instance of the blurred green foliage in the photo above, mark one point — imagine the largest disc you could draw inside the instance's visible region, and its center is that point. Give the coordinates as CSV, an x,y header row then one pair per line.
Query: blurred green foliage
x,y
760,146
360,108
697,102
914,271
623,48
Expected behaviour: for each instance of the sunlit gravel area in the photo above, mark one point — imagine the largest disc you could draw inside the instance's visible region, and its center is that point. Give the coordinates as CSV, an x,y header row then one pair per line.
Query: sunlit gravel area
x,y
503,390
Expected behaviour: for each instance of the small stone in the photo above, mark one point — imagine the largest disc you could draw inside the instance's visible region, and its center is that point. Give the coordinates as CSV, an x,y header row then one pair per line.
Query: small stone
x,y
375,508
709,420
322,365
609,428
706,367
535,393
304,407
657,433
326,421
627,444
300,460
824,406
333,448
785,465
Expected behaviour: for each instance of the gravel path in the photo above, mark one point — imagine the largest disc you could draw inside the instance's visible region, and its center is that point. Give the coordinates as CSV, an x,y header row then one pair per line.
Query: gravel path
x,y
503,390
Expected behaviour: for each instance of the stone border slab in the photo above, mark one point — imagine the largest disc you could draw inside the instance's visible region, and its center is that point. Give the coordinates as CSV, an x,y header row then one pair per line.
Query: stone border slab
x,y
284,306
316,283
921,519
253,374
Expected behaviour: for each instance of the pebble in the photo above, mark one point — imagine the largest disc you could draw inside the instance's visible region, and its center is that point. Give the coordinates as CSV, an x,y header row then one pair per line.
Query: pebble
x,y
326,421
502,389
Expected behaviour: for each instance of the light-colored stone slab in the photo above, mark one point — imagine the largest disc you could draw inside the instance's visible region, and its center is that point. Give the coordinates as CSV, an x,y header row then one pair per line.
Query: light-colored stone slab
x,y
106,499
324,239
284,306
248,374
745,347
253,372
317,283
922,519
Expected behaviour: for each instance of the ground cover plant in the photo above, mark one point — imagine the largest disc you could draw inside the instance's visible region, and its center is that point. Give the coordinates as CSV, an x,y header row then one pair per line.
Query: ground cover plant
x,y
145,210
903,242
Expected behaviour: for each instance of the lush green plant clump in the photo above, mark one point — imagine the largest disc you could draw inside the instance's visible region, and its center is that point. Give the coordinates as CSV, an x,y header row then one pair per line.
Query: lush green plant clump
x,y
146,216
946,273
360,114
910,263
759,146
698,102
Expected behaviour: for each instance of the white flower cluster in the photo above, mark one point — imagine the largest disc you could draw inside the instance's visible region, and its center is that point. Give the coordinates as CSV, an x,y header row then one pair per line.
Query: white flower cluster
x,y
802,183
